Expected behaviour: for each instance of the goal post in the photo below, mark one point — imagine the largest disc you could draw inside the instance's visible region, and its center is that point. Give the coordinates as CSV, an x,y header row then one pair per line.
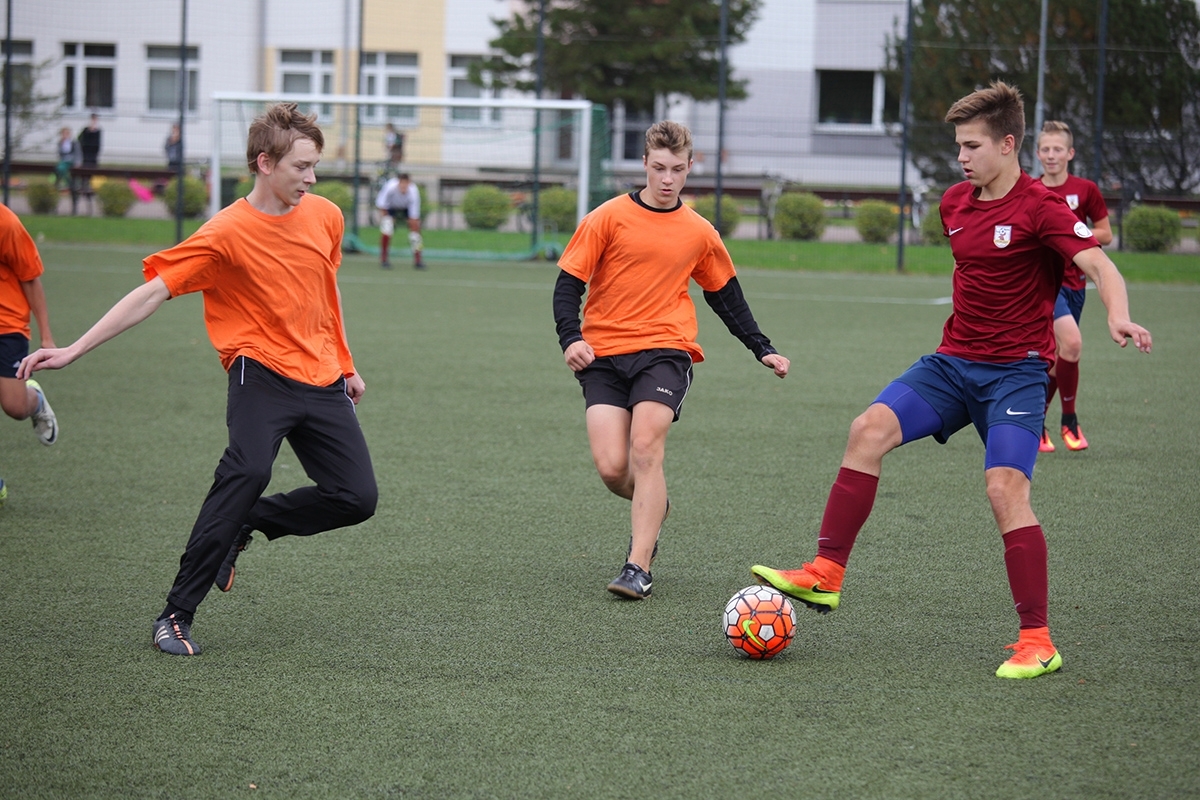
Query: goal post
x,y
449,143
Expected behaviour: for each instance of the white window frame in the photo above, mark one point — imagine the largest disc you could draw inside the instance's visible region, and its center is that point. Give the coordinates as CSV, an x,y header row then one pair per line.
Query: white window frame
x,y
22,60
878,96
457,66
158,59
381,74
78,63
319,69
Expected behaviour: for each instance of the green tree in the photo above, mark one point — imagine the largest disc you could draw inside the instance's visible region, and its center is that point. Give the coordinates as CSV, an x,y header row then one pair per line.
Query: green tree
x,y
632,51
34,112
1151,93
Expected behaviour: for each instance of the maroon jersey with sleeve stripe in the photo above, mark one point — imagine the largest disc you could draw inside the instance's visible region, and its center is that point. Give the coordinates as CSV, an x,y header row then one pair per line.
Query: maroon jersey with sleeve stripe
x,y
1008,266
1084,198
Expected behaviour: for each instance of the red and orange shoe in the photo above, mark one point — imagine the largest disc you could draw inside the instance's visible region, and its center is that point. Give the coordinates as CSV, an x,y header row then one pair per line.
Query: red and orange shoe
x,y
1045,445
1073,436
1035,655
818,584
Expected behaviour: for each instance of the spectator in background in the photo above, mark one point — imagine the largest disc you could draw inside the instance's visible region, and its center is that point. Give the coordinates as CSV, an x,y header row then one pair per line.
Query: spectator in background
x,y
89,142
69,156
174,149
393,142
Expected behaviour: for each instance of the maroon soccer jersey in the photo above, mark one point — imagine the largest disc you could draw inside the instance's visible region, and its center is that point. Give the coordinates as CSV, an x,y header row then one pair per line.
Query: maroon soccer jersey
x,y
1008,266
1084,198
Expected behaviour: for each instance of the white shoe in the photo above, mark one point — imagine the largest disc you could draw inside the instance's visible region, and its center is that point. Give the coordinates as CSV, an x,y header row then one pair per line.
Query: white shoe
x,y
45,424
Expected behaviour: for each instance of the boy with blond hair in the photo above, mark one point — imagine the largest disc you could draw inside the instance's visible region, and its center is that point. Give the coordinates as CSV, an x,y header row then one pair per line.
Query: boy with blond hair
x,y
267,269
1055,149
635,256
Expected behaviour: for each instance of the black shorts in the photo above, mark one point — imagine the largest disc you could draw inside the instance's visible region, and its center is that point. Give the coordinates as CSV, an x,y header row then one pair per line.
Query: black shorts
x,y
13,348
661,375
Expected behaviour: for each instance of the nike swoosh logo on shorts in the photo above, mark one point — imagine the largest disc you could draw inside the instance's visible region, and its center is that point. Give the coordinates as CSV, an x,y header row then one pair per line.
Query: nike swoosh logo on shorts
x,y
1012,413
954,231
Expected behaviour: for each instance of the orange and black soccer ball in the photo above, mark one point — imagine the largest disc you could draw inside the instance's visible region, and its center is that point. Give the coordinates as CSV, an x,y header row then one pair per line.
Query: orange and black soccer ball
x,y
759,621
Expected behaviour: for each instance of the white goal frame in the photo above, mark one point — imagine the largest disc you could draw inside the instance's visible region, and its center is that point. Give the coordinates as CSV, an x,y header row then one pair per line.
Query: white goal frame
x,y
582,106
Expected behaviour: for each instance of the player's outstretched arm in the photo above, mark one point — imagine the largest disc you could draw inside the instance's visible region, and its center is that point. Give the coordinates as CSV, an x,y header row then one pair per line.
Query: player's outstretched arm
x,y
129,311
35,294
778,363
1111,287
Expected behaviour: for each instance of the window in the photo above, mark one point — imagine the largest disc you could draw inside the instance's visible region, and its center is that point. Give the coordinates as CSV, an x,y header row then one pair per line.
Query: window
x,y
307,72
89,75
22,71
390,75
163,74
855,98
461,86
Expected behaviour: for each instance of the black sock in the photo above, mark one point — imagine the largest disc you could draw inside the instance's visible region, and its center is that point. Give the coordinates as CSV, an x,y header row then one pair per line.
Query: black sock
x,y
180,614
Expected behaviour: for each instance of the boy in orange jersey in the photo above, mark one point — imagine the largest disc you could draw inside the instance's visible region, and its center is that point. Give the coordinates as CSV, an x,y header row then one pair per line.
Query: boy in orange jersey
x,y
22,297
1055,149
267,268
633,355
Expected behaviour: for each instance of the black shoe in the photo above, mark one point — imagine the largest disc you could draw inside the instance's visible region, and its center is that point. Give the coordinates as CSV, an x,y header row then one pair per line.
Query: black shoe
x,y
385,264
654,554
633,583
225,575
172,635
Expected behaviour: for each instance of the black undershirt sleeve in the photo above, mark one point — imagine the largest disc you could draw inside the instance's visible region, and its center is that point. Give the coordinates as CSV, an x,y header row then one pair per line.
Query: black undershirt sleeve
x,y
568,297
730,305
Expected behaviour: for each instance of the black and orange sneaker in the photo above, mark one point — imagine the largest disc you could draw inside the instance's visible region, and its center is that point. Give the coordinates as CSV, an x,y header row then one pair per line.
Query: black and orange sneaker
x,y
1072,435
173,635
1045,445
818,584
225,574
1034,655
634,583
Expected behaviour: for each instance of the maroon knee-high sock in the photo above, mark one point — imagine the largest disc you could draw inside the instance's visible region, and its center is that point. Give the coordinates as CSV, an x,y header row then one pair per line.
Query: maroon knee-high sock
x,y
1050,389
1025,561
850,501
1068,383
384,241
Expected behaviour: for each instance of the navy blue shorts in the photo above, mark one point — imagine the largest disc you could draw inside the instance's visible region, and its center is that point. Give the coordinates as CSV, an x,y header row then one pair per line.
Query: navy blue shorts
x,y
1070,301
973,392
13,348
661,375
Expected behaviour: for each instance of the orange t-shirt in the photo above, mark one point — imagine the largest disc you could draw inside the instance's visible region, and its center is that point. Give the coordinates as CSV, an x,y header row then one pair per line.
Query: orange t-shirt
x,y
637,262
19,262
269,285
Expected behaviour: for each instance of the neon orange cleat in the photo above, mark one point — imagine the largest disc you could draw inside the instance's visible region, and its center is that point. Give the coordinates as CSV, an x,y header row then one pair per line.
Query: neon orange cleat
x,y
818,585
1073,437
1045,445
1035,655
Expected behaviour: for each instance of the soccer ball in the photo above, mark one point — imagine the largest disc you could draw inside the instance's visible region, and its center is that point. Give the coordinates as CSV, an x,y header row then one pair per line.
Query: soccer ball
x,y
759,621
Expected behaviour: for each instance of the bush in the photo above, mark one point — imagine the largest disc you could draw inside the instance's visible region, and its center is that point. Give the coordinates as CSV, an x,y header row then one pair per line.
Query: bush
x,y
116,198
706,207
335,192
195,195
42,197
1152,229
931,226
800,215
876,221
485,207
556,206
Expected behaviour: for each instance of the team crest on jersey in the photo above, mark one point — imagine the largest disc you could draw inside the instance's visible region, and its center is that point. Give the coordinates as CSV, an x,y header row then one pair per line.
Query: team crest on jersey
x,y
1003,236
1073,201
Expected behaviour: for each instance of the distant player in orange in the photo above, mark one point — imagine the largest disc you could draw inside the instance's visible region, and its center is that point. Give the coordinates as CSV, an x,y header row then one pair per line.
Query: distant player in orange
x,y
633,355
267,268
1055,149
22,297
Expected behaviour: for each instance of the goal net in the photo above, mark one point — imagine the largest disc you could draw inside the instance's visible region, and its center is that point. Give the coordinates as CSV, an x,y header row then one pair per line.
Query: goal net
x,y
523,148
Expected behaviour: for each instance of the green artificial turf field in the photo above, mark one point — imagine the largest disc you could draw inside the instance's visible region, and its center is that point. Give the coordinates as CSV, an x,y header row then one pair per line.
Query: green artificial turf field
x,y
461,642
